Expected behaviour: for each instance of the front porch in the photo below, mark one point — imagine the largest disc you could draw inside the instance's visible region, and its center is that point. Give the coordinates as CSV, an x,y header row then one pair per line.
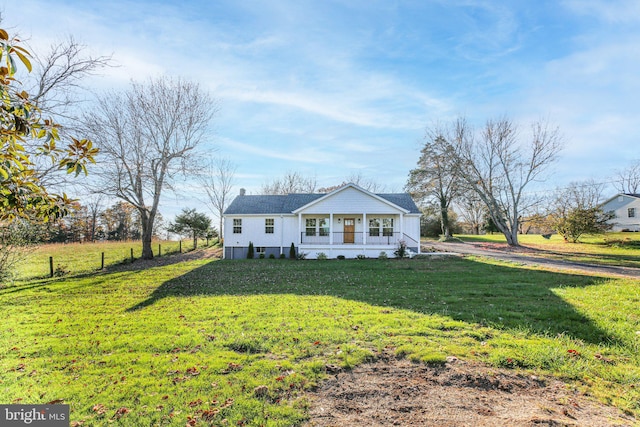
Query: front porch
x,y
351,235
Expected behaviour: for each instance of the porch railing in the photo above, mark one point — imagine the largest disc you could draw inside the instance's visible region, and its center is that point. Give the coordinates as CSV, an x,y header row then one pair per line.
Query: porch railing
x,y
348,238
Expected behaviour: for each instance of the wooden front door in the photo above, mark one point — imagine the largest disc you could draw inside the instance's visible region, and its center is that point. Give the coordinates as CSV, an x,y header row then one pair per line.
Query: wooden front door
x,y
349,230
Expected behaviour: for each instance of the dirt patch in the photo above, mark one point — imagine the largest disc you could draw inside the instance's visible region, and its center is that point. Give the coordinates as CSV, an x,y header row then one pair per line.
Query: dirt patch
x,y
392,392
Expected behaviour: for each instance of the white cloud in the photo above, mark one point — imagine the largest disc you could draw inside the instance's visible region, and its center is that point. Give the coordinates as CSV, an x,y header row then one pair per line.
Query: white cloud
x,y
612,11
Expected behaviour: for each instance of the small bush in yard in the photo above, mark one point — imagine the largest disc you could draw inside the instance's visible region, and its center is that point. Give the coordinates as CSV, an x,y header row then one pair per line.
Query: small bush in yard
x,y
401,251
250,251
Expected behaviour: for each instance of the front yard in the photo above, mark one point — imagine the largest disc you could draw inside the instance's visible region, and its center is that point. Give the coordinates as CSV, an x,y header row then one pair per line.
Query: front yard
x,y
241,342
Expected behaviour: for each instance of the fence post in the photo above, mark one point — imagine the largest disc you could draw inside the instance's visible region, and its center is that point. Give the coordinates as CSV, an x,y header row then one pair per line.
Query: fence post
x,y
102,263
131,254
51,266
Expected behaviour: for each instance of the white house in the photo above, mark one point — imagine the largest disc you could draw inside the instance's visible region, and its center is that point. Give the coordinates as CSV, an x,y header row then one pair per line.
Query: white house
x,y
626,208
349,221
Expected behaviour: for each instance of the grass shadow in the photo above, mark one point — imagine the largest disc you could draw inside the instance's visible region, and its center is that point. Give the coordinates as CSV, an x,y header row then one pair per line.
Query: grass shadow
x,y
506,297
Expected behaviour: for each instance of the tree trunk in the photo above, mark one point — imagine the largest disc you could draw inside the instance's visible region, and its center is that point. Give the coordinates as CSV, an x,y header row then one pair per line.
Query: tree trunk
x,y
195,240
147,233
512,237
510,233
444,219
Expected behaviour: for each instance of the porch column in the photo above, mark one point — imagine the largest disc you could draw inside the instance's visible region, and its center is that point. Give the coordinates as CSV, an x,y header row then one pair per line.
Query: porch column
x,y
364,227
281,234
331,228
299,229
401,226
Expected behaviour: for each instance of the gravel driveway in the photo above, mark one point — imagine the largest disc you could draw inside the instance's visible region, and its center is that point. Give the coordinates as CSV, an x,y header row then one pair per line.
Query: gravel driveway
x,y
515,255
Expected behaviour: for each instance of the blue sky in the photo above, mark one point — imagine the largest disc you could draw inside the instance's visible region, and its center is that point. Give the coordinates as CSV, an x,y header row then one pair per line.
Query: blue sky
x,y
335,88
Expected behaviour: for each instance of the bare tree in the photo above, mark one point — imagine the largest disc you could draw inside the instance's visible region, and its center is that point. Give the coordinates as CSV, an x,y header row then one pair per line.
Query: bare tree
x,y
217,181
628,179
358,179
472,210
291,182
58,76
498,166
147,135
366,183
56,85
435,176
94,208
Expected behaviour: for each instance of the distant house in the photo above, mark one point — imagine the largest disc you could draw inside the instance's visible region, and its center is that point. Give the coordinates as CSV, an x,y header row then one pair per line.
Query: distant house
x,y
349,221
626,208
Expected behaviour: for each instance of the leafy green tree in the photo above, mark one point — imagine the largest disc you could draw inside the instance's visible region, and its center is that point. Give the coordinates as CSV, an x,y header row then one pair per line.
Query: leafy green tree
x,y
435,177
579,221
576,211
22,193
193,223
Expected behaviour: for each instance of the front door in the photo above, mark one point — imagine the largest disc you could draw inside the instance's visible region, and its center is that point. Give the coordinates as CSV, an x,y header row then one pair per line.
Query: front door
x,y
349,230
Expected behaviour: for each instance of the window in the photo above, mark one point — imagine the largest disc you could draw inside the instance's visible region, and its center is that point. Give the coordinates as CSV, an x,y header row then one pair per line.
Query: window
x,y
311,226
631,212
260,250
237,225
323,227
268,225
316,227
374,227
387,226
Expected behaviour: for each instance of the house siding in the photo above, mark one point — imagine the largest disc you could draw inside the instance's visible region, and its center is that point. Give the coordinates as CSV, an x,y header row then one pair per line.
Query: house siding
x,y
253,230
350,201
619,205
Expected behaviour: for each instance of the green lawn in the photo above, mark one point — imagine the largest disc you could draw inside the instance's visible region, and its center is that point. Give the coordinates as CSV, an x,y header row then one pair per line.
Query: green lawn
x,y
622,249
87,257
194,340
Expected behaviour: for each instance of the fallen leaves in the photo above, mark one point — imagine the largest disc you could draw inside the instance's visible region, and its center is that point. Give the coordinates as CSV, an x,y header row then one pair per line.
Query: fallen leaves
x,y
603,359
99,409
232,367
193,371
195,403
121,412
261,391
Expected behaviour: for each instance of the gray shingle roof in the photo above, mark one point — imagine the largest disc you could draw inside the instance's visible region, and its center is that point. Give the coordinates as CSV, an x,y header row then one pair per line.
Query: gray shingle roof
x,y
285,204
